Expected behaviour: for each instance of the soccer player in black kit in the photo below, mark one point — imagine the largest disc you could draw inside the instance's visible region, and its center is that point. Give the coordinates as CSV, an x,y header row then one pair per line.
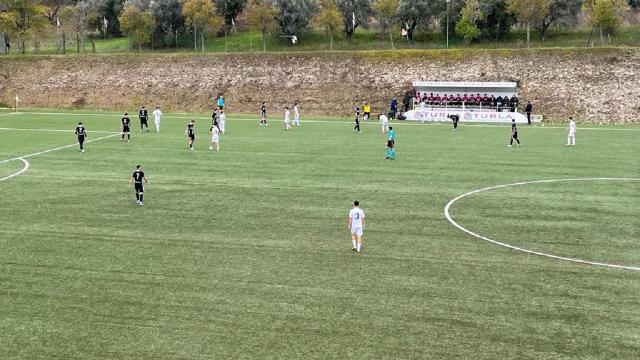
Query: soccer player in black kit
x,y
137,180
357,120
190,131
455,119
126,127
514,133
81,133
143,115
263,114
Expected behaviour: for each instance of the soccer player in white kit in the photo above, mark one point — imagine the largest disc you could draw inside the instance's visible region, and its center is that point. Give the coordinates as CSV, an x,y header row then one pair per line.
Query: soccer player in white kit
x,y
221,121
356,226
287,116
384,122
156,118
215,136
296,114
571,138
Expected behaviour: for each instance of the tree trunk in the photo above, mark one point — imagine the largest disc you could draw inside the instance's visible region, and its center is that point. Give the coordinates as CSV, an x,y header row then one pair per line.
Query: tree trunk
x,y
391,38
64,43
601,36
202,40
195,38
528,33
264,42
93,46
330,41
349,32
78,42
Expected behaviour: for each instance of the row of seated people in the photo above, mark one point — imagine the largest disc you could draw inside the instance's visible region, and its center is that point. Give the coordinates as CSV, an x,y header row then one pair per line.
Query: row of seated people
x,y
469,100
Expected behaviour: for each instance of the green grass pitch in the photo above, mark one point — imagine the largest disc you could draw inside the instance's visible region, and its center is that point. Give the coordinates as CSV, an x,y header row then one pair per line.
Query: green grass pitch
x,y
245,253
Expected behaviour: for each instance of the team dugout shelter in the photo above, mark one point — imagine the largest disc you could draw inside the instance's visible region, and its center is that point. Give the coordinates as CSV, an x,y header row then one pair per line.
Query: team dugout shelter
x,y
496,102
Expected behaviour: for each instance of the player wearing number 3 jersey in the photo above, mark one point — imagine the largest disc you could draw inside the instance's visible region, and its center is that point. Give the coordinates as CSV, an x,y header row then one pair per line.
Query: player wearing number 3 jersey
x,y
356,226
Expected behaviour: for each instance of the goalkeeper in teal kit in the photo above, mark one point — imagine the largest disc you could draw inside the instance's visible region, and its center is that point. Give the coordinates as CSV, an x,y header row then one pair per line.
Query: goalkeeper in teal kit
x,y
391,149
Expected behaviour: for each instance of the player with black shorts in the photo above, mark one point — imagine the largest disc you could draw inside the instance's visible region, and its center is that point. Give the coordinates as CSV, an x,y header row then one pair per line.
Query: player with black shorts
x,y
143,115
263,114
126,127
214,116
137,180
455,119
514,133
357,120
81,133
190,131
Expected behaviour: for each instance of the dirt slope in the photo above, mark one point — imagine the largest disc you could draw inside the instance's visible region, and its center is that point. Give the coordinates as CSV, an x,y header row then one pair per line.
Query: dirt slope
x,y
598,85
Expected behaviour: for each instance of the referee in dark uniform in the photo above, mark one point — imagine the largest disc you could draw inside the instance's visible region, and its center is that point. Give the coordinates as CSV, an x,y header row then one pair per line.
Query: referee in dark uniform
x,y
137,180
81,133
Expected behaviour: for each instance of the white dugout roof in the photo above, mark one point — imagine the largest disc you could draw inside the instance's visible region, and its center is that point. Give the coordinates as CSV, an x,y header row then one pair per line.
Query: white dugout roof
x,y
466,87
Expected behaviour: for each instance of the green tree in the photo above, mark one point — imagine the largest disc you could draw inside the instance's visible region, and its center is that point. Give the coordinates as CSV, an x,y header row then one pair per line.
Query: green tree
x,y
202,16
529,12
328,17
260,16
110,10
137,24
230,9
386,11
169,21
414,13
355,13
26,18
466,27
294,15
605,14
561,12
497,21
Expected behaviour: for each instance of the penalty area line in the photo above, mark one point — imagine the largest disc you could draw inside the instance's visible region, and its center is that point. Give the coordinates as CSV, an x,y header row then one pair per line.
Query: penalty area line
x,y
54,149
533,252
55,130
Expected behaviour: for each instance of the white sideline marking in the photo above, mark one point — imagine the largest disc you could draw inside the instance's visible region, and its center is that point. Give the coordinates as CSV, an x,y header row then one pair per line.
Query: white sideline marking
x,y
26,166
404,123
13,113
54,149
595,263
55,130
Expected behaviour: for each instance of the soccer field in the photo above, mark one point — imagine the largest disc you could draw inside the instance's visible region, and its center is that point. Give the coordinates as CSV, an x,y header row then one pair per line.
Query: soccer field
x,y
245,253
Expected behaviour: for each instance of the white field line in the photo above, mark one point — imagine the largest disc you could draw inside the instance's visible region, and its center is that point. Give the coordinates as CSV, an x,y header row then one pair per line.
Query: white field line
x,y
54,149
13,113
595,263
55,130
25,168
277,119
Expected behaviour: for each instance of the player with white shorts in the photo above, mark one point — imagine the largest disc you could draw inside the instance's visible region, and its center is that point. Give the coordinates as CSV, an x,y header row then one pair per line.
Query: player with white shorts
x,y
296,114
287,117
156,118
215,136
221,121
356,226
571,138
384,122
